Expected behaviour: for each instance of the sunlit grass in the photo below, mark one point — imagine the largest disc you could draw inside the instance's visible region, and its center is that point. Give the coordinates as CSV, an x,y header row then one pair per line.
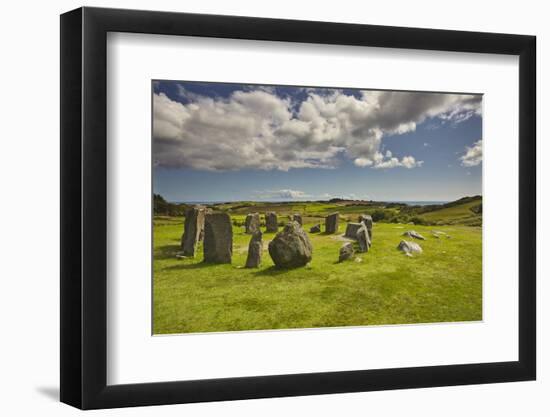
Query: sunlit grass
x,y
443,284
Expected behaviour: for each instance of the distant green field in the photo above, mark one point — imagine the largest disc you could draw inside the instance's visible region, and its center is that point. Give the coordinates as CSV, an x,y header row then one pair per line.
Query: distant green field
x,y
460,214
454,213
444,284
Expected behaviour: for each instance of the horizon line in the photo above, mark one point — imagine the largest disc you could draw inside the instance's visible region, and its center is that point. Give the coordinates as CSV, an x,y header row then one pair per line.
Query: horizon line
x,y
325,200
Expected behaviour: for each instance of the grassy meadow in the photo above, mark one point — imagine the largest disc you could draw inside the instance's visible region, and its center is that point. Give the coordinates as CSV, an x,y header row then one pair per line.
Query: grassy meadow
x,y
383,286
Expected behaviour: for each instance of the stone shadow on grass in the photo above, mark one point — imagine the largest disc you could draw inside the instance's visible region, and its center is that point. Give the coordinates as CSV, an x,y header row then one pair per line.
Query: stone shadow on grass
x,y
166,252
336,234
195,265
272,271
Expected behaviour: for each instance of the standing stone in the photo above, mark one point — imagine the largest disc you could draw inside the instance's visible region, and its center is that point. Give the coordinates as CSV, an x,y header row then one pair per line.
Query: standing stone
x,y
367,219
346,252
331,223
193,230
218,238
363,239
271,224
315,229
254,258
291,247
297,218
252,223
351,230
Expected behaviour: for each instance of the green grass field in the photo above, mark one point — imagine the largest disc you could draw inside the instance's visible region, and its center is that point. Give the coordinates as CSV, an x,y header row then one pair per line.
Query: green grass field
x,y
443,284
460,214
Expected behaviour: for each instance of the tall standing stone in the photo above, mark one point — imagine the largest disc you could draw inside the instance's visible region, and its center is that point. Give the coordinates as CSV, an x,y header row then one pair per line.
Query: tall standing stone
x,y
271,224
331,223
291,247
367,220
254,257
252,223
351,230
218,238
297,218
363,239
193,230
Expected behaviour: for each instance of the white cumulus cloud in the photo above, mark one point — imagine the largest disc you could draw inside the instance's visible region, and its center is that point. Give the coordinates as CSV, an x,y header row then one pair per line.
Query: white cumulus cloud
x,y
362,162
473,155
257,129
380,161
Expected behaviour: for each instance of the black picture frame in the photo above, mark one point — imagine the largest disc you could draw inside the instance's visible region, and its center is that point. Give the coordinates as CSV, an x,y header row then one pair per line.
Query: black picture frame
x,y
84,207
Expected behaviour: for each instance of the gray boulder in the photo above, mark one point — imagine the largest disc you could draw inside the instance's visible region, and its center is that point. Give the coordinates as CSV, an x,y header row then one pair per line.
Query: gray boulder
x,y
367,220
254,257
291,247
271,225
346,252
409,247
331,223
414,235
362,236
351,230
192,230
297,218
218,238
252,223
315,229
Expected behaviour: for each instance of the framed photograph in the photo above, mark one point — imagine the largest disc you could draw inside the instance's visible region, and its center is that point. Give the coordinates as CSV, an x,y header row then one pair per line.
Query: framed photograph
x,y
260,208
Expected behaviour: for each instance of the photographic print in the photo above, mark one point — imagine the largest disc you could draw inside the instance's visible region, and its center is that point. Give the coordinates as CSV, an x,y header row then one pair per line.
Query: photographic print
x,y
291,207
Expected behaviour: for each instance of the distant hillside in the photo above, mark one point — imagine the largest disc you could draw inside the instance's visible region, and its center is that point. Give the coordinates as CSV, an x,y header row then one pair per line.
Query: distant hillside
x,y
465,211
161,207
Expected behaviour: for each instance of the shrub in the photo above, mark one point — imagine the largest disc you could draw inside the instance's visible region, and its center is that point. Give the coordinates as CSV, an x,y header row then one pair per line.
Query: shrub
x,y
418,220
378,215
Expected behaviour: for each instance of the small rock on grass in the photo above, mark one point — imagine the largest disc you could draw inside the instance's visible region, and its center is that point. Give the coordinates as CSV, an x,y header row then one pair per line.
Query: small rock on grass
x,y
409,247
414,235
346,252
315,229
438,233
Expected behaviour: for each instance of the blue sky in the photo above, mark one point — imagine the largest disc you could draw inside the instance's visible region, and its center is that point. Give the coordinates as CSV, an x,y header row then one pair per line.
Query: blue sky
x,y
230,142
